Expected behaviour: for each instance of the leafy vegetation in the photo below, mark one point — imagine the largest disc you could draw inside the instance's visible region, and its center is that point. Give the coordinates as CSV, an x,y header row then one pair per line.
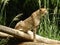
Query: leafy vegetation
x,y
49,28
3,11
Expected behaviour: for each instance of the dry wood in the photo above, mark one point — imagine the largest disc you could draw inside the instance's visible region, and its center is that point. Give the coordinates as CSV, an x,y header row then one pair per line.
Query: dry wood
x,y
35,43
29,36
2,34
16,33
43,39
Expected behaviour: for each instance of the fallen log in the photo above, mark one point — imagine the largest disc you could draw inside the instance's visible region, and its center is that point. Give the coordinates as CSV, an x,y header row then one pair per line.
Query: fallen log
x,y
15,33
35,43
29,36
4,35
43,39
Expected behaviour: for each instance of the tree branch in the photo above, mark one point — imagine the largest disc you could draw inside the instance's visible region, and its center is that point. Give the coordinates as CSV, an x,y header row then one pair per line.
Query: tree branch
x,y
2,34
29,36
43,39
35,43
15,33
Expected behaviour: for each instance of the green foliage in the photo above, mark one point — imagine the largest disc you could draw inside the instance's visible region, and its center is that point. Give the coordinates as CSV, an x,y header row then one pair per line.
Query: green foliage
x,y
3,11
48,28
3,41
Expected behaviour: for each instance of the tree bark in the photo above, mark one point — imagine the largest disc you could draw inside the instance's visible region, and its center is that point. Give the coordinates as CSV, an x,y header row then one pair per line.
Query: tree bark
x,y
4,35
29,36
35,43
43,39
15,33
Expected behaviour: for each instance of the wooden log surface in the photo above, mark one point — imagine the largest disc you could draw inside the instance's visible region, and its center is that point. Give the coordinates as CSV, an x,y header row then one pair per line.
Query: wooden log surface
x,y
15,33
3,35
43,39
29,36
35,43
